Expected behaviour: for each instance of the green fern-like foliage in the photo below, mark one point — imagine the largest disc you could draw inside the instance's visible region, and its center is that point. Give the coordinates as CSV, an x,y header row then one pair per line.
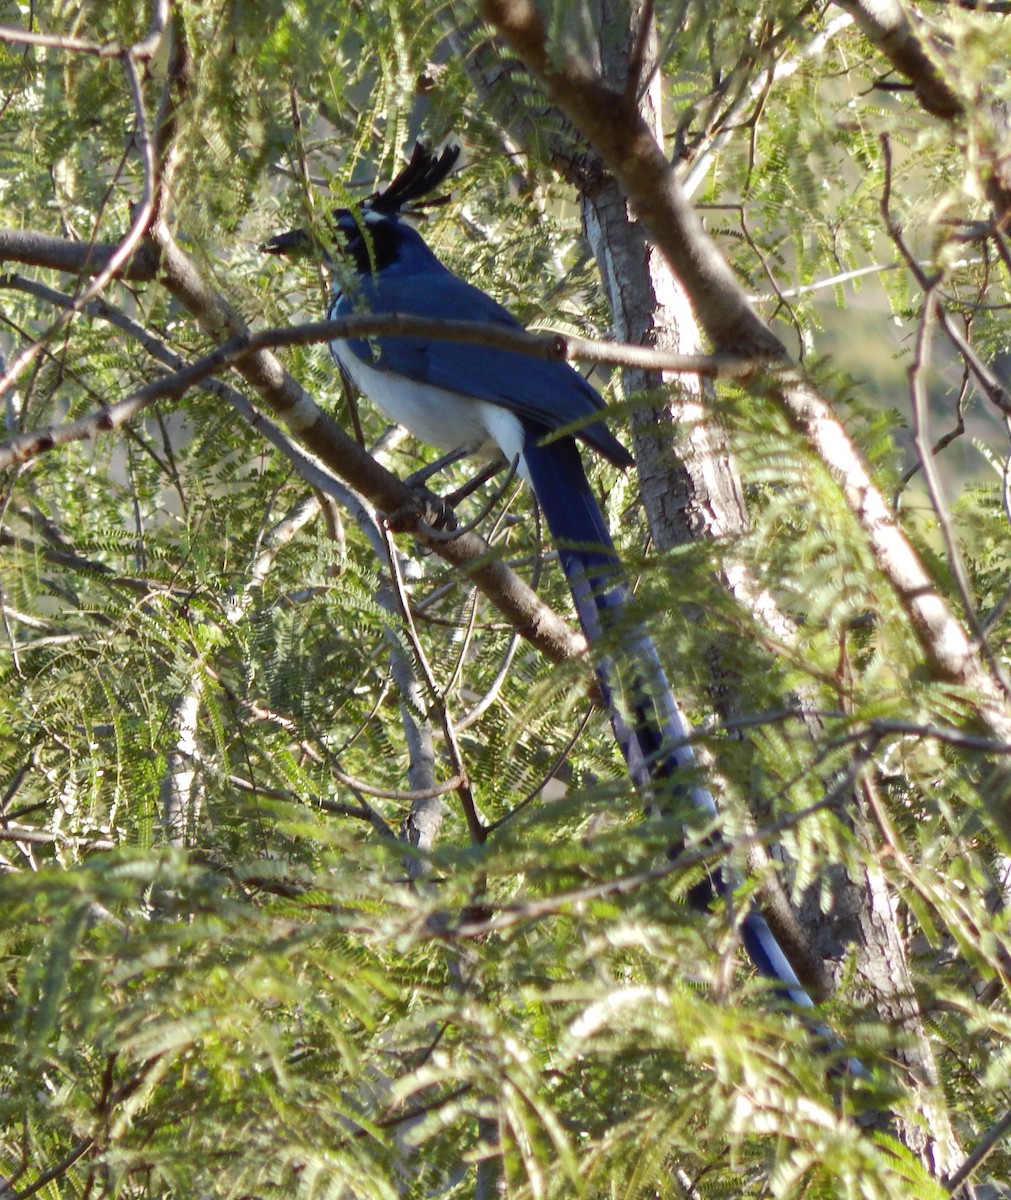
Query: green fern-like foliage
x,y
226,968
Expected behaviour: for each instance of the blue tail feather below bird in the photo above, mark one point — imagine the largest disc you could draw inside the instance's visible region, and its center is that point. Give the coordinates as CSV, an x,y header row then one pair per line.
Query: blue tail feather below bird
x,y
501,404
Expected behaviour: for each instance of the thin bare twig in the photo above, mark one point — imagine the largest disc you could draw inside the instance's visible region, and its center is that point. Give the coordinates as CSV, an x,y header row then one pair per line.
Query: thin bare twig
x,y
142,217
974,1160
712,852
946,439
45,837
917,383
475,823
77,1152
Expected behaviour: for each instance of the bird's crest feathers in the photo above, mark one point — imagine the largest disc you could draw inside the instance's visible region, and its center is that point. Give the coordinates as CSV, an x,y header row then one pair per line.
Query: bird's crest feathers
x,y
423,174
402,197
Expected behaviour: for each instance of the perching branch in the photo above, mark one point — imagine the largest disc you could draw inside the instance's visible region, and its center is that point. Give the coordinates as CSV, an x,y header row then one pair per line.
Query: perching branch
x,y
37,249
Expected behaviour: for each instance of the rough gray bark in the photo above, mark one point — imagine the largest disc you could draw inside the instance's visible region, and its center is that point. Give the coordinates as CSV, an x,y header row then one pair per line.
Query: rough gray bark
x,y
692,490
689,486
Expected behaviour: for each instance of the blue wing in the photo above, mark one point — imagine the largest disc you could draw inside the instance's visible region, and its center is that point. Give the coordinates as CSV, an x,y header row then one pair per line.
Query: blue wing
x,y
545,395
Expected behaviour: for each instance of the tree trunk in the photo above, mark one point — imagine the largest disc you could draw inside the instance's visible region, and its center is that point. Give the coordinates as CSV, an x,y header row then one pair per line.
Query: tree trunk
x,y
691,489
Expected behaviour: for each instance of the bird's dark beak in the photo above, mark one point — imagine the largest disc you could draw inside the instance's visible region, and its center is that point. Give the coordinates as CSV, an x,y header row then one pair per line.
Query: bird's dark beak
x,y
295,242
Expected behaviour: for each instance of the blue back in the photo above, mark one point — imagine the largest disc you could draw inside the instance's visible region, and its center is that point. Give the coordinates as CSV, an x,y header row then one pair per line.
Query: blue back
x,y
409,279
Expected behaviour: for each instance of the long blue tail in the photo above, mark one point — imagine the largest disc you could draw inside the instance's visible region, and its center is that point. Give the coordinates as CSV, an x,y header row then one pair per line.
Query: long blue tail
x,y
653,737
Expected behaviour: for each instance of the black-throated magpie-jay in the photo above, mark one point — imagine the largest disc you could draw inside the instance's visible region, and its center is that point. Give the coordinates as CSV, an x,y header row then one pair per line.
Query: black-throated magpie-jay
x,y
503,404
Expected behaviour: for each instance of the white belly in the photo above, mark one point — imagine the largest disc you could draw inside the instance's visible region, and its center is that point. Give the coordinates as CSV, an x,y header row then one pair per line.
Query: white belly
x,y
442,419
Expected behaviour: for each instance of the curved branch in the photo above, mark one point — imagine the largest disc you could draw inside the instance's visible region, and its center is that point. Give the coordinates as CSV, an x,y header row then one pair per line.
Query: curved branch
x,y
638,162
627,146
886,24
894,29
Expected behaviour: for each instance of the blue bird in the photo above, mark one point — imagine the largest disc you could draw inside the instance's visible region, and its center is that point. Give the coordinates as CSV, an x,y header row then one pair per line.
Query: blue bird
x,y
501,404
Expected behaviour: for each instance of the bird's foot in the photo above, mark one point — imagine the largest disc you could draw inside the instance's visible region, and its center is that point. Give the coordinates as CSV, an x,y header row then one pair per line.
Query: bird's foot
x,y
423,511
